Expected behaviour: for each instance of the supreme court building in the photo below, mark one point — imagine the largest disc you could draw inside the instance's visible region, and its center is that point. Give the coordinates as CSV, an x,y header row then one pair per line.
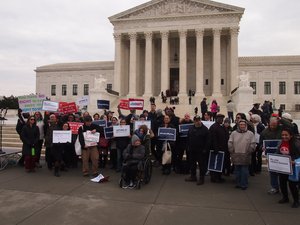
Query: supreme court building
x,y
174,46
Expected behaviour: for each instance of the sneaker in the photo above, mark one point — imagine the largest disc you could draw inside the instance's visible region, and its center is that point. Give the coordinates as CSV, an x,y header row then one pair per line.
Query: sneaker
x,y
131,185
273,191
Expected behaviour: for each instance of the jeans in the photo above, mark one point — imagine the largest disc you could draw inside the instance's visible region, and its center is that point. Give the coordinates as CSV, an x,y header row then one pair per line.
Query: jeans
x,y
119,158
274,180
241,173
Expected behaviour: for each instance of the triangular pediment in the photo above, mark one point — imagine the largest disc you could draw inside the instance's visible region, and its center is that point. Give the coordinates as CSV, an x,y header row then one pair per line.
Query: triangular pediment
x,y
173,8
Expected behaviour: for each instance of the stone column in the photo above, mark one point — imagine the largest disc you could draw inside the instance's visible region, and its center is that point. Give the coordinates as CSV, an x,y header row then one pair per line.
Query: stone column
x,y
182,64
149,65
118,65
165,80
132,65
216,63
199,63
234,61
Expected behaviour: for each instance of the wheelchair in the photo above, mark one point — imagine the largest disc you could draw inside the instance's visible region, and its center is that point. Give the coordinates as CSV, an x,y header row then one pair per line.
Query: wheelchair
x,y
143,175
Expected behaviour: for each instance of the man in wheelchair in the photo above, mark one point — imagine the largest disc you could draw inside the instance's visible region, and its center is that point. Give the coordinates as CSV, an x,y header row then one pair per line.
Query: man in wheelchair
x,y
133,162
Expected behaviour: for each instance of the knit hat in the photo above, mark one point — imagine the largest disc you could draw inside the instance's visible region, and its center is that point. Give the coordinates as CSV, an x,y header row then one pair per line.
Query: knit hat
x,y
286,116
134,139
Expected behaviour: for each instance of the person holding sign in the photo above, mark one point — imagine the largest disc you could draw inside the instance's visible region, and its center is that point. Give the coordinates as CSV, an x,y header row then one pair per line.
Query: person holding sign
x,y
30,137
88,152
289,146
241,144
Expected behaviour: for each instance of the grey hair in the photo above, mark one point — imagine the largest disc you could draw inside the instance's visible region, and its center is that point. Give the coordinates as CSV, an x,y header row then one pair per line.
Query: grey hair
x,y
256,117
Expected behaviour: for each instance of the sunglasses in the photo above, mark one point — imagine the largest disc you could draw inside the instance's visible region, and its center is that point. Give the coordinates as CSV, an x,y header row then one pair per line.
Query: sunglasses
x,y
32,119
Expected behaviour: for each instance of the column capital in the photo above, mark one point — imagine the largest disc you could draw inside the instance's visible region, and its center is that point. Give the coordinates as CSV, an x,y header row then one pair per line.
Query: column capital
x,y
164,34
148,35
216,32
234,30
199,32
182,33
132,36
117,36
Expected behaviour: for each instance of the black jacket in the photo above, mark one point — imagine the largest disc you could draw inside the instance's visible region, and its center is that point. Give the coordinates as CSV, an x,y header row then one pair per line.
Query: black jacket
x,y
198,139
30,136
217,137
85,128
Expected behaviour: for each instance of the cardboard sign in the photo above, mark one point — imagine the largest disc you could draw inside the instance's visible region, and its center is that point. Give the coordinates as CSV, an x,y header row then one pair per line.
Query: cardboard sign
x,y
103,104
92,137
124,104
74,126
100,123
67,108
108,132
271,145
62,136
166,134
31,103
135,103
83,101
121,131
139,123
184,129
216,161
50,106
280,163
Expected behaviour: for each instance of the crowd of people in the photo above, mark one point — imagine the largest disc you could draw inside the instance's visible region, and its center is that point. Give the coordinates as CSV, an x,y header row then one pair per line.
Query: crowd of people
x,y
241,144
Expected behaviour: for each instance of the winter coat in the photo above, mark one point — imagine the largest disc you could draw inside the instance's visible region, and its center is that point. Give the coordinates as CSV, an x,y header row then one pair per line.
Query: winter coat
x,y
294,149
198,139
241,145
214,108
49,134
203,107
269,134
217,137
134,154
30,138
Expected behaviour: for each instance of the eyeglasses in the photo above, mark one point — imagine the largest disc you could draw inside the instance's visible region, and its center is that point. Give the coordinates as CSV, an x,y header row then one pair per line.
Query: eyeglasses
x,y
32,119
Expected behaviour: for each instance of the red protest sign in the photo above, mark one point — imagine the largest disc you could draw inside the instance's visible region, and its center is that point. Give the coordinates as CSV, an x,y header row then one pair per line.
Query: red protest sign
x,y
124,104
74,126
67,108
135,103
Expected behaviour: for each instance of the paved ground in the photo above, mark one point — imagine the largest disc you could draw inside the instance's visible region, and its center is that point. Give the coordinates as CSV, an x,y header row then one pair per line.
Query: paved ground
x,y
42,199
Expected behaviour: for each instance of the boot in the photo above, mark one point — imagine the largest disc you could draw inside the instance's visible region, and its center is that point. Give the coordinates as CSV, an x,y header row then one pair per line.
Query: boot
x,y
191,179
200,181
56,172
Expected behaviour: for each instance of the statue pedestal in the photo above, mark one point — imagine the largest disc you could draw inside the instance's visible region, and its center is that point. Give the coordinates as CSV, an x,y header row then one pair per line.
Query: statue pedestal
x,y
95,95
243,99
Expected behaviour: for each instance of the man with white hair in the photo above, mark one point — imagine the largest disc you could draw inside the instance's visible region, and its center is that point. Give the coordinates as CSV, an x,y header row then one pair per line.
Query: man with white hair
x,y
287,120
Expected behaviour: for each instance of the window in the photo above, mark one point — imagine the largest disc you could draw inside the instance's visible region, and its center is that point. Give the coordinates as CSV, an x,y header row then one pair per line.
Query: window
x,y
297,87
53,90
282,90
222,81
253,85
75,89
109,86
297,107
267,89
282,106
64,90
206,81
85,89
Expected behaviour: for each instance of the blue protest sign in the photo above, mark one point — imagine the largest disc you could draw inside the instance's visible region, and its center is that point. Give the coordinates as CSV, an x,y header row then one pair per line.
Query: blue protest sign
x,y
184,129
271,145
166,134
108,132
103,104
216,161
100,123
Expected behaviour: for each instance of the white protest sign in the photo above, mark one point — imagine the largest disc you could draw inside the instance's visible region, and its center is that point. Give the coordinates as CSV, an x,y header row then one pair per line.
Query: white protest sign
x,y
31,103
139,123
92,137
280,163
50,106
62,136
121,131
83,101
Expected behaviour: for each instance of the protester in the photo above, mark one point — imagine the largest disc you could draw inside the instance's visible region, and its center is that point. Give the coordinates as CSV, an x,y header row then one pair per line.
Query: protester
x,y
230,109
227,162
203,107
40,124
214,108
241,144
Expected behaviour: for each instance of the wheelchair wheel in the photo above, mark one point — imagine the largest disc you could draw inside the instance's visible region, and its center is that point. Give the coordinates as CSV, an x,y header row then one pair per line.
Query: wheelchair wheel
x,y
147,171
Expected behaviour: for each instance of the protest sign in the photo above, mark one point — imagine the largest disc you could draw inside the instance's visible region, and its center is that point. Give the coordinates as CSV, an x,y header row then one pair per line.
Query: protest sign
x,y
121,131
208,123
31,103
166,134
92,137
124,104
108,132
296,171
62,136
67,108
139,123
83,101
280,163
271,145
184,129
216,161
74,126
50,106
103,104
135,103
100,123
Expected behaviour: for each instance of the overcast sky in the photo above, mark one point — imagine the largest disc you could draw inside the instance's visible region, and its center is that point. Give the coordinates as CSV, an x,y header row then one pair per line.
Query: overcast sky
x,y
39,32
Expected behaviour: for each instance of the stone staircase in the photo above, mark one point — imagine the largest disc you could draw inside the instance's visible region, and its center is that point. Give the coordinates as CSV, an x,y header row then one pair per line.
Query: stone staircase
x,y
10,137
